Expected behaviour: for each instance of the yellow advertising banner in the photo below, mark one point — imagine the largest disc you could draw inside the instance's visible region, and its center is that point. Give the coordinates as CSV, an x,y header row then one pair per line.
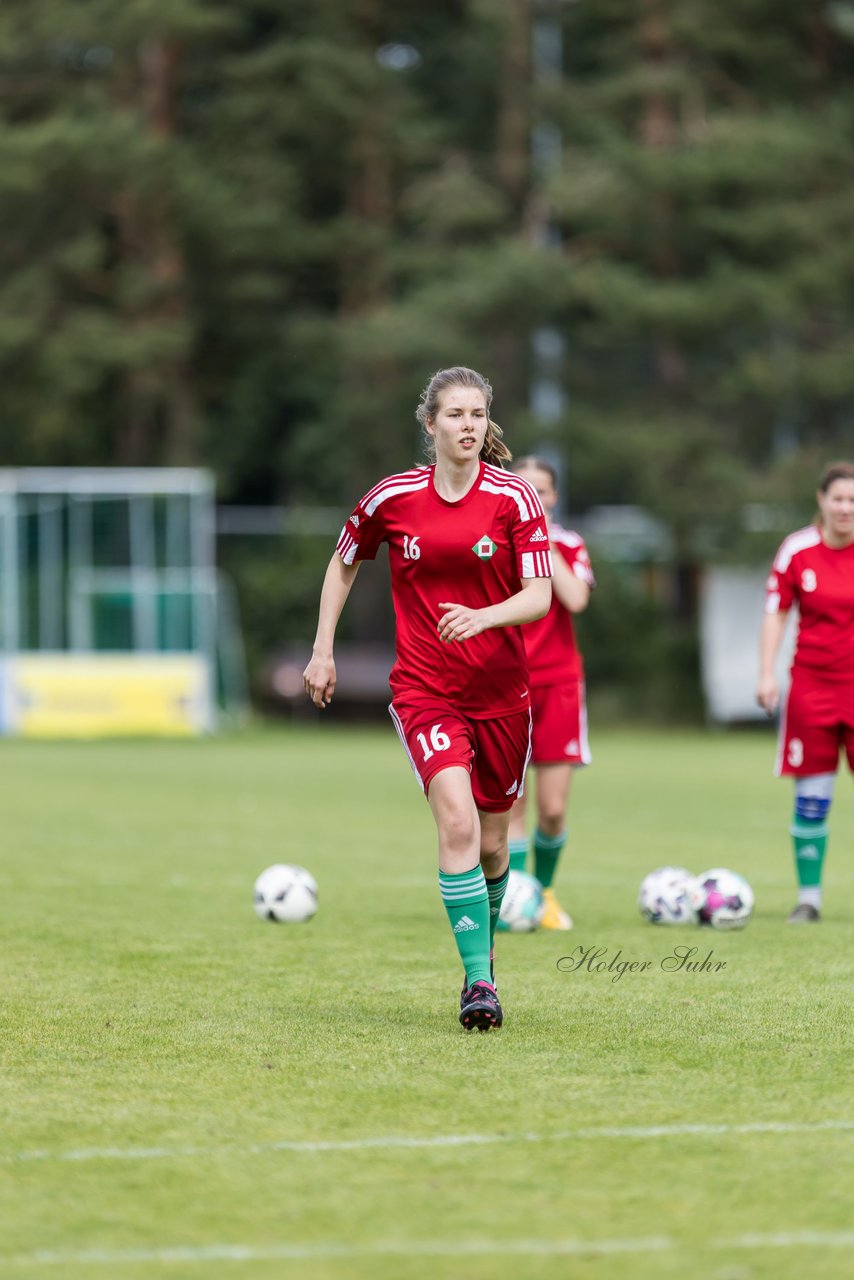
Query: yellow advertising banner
x,y
100,695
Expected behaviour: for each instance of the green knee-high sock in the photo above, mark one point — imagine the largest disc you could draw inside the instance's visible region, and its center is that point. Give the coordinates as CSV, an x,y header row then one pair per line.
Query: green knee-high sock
x,y
518,854
809,840
546,853
495,889
467,904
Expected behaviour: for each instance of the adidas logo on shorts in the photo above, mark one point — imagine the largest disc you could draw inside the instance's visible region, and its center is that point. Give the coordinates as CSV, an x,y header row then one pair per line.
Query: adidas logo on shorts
x,y
464,924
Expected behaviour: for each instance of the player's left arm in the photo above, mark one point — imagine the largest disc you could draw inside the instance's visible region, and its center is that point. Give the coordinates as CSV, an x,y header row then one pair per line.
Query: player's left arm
x,y
572,592
459,622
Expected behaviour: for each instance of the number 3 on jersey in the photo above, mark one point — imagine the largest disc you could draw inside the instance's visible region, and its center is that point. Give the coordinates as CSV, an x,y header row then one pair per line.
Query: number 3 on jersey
x,y
438,741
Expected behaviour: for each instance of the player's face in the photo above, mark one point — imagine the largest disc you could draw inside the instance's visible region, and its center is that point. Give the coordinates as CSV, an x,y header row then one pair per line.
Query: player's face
x,y
459,427
542,482
837,510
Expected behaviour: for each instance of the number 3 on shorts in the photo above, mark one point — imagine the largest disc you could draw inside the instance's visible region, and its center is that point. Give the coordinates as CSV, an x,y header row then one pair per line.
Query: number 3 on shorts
x,y
795,753
438,741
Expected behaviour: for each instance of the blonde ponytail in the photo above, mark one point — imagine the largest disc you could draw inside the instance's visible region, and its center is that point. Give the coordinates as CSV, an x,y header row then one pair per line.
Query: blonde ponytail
x,y
495,451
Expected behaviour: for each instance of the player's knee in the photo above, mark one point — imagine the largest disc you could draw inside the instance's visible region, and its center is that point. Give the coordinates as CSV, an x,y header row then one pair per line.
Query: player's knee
x,y
458,828
550,820
493,847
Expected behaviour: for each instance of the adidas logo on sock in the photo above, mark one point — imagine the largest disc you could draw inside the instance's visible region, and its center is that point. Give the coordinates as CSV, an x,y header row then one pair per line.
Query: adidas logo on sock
x,y
539,536
464,924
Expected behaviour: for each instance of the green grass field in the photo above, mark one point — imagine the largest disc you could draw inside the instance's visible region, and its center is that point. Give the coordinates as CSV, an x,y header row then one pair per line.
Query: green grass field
x,y
188,1091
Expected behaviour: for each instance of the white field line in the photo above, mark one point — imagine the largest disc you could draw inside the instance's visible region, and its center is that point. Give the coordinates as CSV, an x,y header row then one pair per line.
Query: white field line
x,y
424,1248
393,1142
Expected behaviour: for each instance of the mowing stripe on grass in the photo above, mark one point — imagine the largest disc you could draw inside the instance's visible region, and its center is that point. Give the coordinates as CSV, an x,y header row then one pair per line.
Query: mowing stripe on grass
x,y
424,1248
403,1142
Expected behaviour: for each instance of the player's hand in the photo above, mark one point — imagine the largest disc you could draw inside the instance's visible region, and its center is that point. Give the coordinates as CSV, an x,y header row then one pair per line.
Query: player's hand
x,y
768,695
461,623
319,681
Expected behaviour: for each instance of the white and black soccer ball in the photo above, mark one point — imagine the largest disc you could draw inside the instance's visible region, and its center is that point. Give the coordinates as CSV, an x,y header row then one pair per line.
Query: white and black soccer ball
x,y
664,896
523,905
722,899
286,894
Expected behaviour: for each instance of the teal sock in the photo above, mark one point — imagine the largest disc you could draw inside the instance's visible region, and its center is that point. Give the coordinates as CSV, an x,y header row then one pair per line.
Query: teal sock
x,y
546,853
809,841
467,904
518,854
495,891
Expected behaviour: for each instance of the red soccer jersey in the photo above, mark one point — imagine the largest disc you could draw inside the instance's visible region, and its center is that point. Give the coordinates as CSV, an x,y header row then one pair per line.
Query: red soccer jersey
x,y
471,552
553,655
820,580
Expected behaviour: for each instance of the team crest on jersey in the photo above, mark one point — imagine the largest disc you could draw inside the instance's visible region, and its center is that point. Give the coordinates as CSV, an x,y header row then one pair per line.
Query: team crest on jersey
x,y
484,548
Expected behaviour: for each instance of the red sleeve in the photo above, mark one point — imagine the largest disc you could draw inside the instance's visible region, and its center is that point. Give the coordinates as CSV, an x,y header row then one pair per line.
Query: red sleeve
x,y
362,534
780,587
579,561
530,536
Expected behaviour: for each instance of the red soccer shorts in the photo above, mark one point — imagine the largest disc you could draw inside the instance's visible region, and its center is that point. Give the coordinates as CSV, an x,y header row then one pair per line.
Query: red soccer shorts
x,y
817,719
435,736
560,724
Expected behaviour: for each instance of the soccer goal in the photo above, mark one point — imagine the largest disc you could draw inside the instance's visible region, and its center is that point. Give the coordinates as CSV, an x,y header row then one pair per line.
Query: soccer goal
x,y
108,601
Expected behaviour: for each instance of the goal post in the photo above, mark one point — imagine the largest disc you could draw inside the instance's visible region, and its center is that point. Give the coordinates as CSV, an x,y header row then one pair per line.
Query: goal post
x,y
108,601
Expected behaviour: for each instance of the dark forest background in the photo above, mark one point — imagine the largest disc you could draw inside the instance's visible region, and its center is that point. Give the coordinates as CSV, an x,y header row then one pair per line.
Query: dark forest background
x,y
241,234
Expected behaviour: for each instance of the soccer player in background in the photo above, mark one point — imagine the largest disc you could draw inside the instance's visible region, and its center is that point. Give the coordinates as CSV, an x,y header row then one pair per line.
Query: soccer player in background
x,y
814,569
470,563
558,706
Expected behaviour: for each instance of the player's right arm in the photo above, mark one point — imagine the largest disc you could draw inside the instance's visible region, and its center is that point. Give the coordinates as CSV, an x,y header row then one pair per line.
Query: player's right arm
x,y
779,598
770,639
319,676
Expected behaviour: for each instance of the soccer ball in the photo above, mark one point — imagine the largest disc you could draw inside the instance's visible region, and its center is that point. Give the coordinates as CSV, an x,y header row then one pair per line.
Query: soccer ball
x,y
664,896
722,898
523,905
285,894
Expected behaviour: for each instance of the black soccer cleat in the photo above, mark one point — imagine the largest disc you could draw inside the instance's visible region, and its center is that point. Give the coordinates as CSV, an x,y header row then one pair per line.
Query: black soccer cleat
x,y
804,913
479,1008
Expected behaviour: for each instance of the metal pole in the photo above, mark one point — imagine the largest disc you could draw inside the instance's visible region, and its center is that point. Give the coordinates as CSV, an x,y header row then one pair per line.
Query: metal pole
x,y
50,571
9,540
142,575
547,394
79,574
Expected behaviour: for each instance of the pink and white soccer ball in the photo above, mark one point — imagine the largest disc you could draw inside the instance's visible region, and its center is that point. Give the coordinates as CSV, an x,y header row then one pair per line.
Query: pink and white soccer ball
x,y
664,896
285,894
722,899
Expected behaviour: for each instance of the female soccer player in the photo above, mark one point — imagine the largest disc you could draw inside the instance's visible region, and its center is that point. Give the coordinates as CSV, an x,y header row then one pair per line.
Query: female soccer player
x,y
814,568
558,705
470,563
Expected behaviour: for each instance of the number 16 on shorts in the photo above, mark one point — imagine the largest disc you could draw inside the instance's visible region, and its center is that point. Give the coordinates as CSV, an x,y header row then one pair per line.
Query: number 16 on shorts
x,y
432,736
438,741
